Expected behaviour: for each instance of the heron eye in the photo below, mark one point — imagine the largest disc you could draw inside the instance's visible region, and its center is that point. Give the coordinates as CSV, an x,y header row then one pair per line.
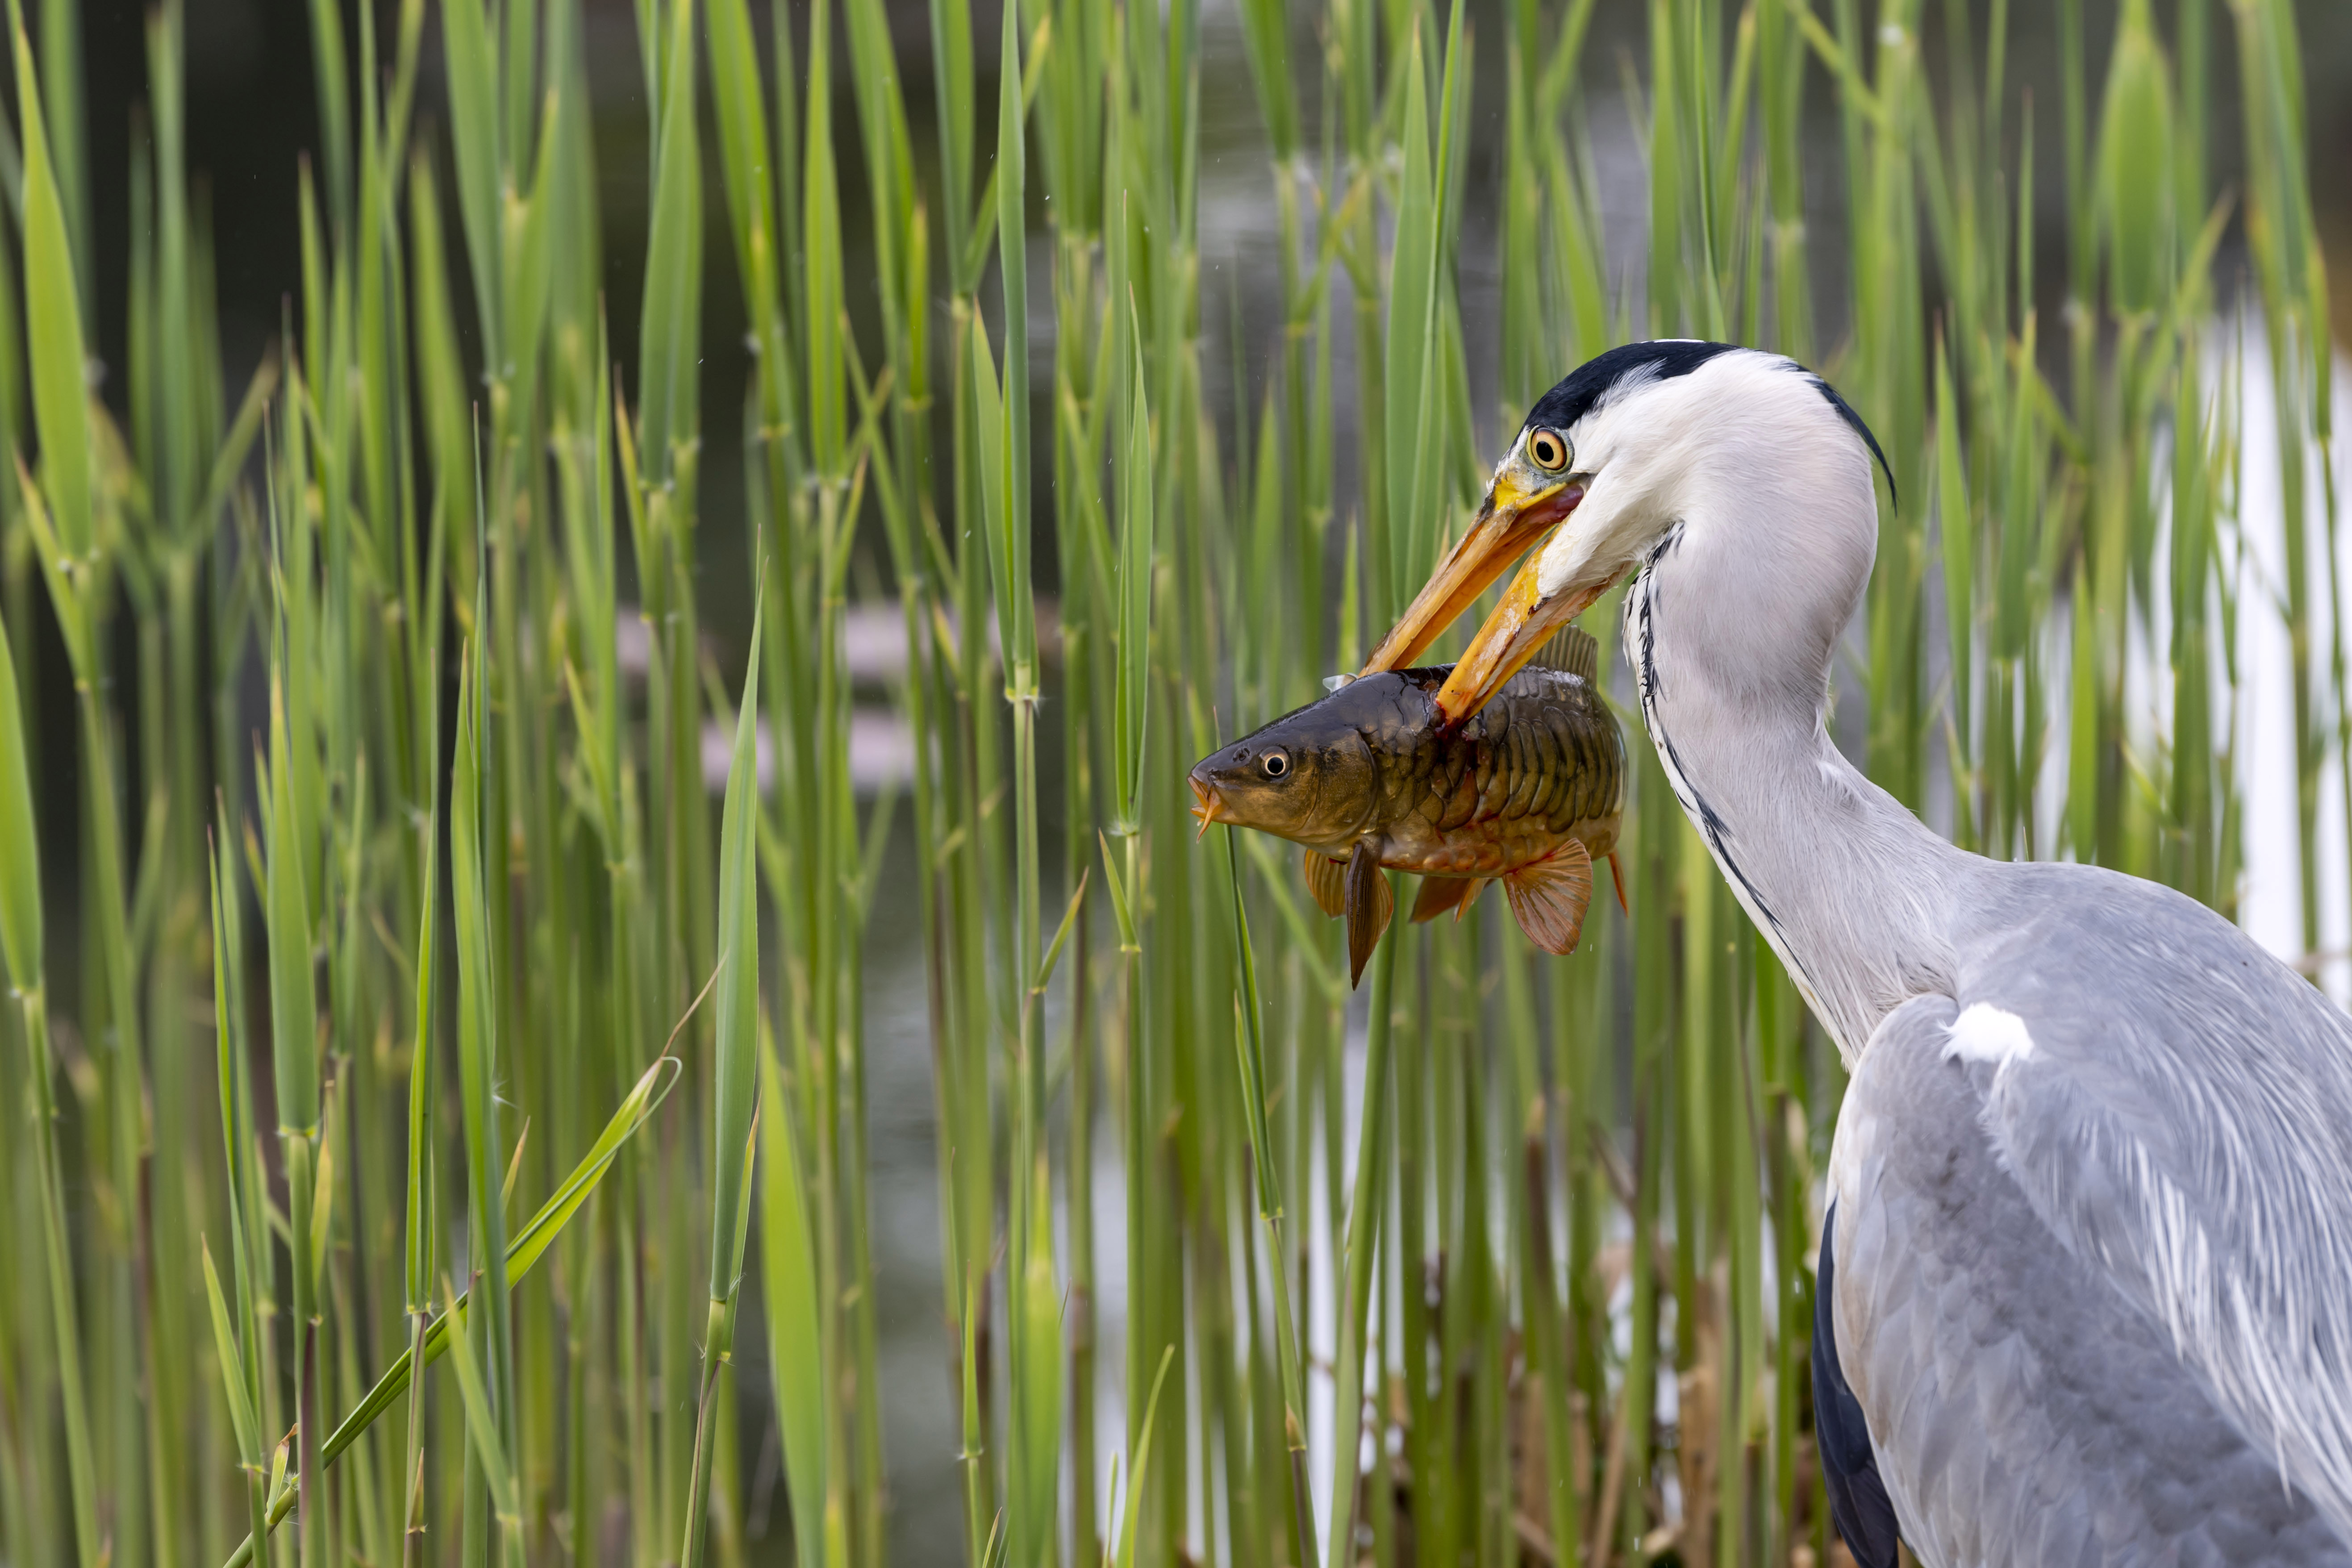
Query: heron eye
x,y
1275,764
1549,450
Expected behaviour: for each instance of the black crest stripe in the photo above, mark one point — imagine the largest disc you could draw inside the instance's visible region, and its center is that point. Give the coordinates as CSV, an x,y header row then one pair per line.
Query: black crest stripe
x,y
1663,360
1846,413
1587,384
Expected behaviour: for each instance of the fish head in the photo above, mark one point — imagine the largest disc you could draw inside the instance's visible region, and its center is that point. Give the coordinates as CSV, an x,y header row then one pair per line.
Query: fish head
x,y
1309,777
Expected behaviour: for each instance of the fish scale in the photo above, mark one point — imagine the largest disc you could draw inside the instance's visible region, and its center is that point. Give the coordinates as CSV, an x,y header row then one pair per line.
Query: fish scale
x,y
1545,754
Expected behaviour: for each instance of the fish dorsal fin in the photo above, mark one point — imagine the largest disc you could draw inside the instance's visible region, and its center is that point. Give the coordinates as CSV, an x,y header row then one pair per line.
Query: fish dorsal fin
x,y
1550,897
1573,650
1328,880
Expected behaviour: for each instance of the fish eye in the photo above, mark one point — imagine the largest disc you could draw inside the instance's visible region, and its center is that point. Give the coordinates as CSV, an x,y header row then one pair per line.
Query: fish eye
x,y
1275,764
1549,449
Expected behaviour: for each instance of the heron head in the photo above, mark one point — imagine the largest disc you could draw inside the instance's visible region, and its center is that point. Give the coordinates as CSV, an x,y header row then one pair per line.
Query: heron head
x,y
1643,438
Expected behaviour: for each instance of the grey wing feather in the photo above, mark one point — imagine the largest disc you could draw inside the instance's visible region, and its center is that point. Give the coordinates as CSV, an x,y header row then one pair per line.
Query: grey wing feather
x,y
2183,1123
2021,1409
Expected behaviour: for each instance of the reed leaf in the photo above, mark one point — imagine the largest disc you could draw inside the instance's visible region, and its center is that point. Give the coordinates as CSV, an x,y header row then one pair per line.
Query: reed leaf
x,y
53,321
523,1252
796,1354
734,1101
1137,558
482,1430
20,882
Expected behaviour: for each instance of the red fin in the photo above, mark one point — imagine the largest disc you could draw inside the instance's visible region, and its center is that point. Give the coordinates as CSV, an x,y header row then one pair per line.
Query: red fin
x,y
1439,894
1370,907
1328,880
1617,875
1477,886
1550,895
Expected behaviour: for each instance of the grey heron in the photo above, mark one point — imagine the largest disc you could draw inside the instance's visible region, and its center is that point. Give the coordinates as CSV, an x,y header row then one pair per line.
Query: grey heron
x,y
2085,1291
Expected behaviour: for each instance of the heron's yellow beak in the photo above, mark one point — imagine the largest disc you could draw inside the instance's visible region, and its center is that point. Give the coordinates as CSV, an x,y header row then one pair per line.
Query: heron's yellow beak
x,y
1520,625
1512,520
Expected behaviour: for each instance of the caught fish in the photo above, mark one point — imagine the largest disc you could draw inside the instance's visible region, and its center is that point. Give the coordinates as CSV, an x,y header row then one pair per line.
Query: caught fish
x,y
1529,793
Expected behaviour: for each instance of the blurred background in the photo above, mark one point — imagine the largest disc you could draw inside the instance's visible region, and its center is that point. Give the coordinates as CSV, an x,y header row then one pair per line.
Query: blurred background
x,y
252,115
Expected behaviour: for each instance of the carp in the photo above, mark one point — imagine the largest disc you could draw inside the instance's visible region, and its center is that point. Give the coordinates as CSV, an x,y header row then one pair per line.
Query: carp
x,y
1529,792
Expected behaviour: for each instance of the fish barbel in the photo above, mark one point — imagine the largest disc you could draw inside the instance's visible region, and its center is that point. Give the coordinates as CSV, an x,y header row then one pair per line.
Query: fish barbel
x,y
1529,792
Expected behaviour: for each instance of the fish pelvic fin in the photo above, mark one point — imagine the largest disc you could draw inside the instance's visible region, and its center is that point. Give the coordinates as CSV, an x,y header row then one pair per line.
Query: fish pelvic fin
x,y
1550,895
1370,907
1326,879
1439,894
1617,875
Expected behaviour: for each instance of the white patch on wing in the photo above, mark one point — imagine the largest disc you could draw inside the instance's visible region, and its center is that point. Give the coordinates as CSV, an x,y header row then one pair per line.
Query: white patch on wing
x,y
1984,1033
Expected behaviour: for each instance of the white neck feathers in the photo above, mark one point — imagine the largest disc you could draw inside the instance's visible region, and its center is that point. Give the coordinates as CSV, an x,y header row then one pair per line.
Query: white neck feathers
x,y
1766,543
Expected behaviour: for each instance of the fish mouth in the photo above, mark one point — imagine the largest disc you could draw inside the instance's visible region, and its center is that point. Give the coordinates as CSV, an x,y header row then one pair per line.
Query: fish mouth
x,y
1211,804
1509,522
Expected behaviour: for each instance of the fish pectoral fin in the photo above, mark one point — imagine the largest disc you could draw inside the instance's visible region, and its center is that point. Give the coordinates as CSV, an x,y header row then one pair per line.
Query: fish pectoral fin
x,y
1369,906
1550,895
1328,880
1439,894
1617,875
